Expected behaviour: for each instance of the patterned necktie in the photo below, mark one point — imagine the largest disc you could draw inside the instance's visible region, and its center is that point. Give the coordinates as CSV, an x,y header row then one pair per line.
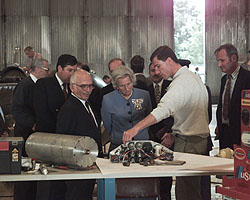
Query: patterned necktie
x,y
227,98
65,90
87,106
157,93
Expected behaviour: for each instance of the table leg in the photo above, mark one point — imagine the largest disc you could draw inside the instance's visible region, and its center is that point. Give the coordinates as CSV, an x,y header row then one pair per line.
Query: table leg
x,y
106,189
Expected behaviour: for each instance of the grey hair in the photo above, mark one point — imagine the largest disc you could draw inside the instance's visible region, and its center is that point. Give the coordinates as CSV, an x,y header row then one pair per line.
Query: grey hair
x,y
229,48
73,77
122,72
37,63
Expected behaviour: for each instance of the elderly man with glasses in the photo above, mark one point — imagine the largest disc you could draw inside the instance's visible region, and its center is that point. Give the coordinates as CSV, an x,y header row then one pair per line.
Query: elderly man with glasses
x,y
76,117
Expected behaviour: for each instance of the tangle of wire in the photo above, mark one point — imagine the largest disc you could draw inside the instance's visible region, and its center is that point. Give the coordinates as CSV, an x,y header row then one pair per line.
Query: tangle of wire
x,y
124,156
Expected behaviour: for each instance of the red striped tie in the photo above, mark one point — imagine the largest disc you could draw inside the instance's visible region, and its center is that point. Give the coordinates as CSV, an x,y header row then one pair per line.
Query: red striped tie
x,y
65,90
157,94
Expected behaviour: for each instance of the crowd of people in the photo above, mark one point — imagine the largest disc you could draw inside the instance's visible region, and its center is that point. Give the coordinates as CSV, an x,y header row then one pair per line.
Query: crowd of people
x,y
172,106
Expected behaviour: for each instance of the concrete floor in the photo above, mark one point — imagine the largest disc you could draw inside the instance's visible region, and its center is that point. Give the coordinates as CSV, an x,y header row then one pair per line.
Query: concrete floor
x,y
6,189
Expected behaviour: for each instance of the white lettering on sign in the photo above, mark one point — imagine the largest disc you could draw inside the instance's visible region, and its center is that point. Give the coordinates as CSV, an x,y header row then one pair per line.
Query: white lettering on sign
x,y
245,175
246,95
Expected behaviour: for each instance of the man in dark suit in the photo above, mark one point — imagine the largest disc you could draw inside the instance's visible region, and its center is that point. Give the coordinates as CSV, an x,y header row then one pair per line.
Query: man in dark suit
x,y
233,82
76,117
22,106
137,65
157,89
94,94
49,96
51,93
25,120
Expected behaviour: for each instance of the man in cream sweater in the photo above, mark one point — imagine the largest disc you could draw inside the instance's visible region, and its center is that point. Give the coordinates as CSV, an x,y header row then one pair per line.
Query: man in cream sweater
x,y
186,100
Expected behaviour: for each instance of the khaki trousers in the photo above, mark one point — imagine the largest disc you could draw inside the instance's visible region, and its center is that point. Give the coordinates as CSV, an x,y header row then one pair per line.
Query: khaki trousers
x,y
188,188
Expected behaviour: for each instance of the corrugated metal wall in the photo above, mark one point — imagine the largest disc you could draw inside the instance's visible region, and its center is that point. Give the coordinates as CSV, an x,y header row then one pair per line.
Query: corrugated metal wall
x,y
2,35
98,30
93,30
22,26
225,23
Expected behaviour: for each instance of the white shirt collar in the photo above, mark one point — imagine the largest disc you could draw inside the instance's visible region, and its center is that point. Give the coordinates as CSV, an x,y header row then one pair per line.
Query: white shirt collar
x,y
33,78
236,72
139,74
82,101
59,80
160,83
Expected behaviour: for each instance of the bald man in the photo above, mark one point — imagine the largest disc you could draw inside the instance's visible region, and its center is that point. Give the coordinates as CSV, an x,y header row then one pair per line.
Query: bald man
x,y
77,118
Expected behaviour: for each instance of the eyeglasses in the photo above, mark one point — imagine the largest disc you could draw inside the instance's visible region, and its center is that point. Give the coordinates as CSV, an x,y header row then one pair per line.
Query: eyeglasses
x,y
44,68
85,86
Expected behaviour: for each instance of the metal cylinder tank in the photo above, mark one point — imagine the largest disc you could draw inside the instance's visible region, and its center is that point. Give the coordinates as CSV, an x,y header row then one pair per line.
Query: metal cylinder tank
x,y
75,151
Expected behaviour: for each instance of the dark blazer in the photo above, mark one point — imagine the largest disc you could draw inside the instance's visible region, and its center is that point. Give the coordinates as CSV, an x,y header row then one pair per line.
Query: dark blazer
x,y
209,109
24,116
74,119
141,85
242,82
166,124
97,102
105,90
95,94
23,109
142,78
48,100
